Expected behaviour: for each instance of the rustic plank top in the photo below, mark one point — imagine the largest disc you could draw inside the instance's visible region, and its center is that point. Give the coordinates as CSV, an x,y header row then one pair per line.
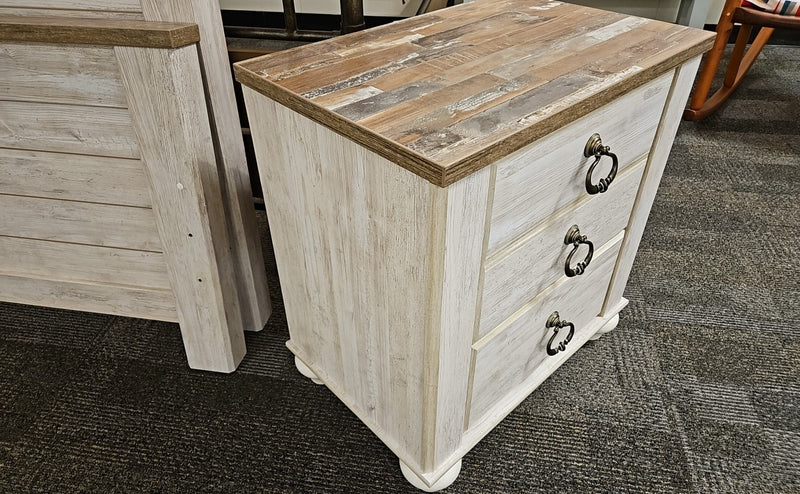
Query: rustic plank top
x,y
112,32
447,93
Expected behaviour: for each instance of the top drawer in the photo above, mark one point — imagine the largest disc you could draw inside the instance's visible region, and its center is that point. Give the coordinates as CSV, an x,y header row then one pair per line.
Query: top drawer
x,y
545,176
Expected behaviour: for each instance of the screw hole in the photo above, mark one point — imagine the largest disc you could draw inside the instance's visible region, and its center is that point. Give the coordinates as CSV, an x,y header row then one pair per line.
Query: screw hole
x,y
200,280
191,235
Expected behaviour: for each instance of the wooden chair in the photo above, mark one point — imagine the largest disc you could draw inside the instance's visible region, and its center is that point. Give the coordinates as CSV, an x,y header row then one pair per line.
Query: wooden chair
x,y
742,58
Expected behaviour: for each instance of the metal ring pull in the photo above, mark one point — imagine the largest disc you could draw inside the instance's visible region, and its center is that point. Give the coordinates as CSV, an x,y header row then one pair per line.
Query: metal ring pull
x,y
555,322
595,148
575,238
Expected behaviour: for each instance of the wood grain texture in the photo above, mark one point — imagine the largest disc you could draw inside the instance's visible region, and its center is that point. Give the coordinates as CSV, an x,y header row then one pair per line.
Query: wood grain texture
x,y
668,127
87,5
29,11
61,128
237,195
81,75
518,274
79,222
74,177
110,32
87,264
510,72
108,299
166,98
626,125
509,355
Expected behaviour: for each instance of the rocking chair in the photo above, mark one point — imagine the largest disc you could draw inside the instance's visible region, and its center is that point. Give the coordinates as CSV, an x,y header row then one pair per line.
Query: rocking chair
x,y
734,12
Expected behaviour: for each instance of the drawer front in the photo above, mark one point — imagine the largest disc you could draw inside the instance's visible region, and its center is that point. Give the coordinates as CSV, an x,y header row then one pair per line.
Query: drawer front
x,y
519,349
519,273
549,174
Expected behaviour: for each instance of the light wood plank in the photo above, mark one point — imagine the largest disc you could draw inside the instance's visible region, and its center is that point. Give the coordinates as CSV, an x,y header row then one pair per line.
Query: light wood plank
x,y
626,125
79,222
231,161
108,299
29,11
88,264
668,127
105,5
518,274
509,355
456,292
111,32
67,129
165,93
82,75
74,177
337,216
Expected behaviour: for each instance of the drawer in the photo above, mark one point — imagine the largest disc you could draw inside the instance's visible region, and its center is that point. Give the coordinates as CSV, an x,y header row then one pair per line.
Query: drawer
x,y
549,174
517,349
517,274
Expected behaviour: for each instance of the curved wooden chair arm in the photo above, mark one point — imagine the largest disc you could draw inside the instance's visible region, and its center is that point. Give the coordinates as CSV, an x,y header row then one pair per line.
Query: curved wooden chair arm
x,y
741,59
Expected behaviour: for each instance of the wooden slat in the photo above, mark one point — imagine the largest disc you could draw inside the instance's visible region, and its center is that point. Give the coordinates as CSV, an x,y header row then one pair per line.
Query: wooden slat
x,y
108,299
74,177
104,5
548,83
668,127
112,32
67,128
83,75
231,160
79,222
166,95
82,263
85,14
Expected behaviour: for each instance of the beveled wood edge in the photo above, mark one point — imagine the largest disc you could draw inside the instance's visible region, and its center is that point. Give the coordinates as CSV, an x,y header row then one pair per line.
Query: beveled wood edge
x,y
446,174
110,32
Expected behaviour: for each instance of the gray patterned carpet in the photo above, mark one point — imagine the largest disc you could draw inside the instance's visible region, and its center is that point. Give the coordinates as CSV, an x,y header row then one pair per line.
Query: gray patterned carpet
x,y
698,390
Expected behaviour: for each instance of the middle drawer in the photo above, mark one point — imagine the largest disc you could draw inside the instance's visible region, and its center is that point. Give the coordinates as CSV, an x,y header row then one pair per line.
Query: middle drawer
x,y
517,274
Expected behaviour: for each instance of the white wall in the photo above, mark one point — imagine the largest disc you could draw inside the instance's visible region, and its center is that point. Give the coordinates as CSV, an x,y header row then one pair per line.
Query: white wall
x,y
388,8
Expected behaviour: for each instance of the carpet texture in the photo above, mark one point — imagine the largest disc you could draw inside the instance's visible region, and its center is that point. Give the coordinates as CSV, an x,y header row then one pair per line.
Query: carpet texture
x,y
697,390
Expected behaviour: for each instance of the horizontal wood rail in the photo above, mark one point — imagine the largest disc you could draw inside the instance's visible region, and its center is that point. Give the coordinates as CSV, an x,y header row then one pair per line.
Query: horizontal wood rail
x,y
112,32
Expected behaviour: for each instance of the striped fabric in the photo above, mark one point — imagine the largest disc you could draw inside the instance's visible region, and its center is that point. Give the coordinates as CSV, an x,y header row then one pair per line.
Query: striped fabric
x,y
781,7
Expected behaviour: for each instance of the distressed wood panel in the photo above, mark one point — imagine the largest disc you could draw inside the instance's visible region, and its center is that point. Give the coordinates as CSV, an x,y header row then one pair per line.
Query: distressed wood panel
x,y
568,61
231,161
509,355
68,129
105,5
518,274
82,75
166,96
85,14
108,299
626,125
74,177
86,264
79,222
353,241
668,127
112,32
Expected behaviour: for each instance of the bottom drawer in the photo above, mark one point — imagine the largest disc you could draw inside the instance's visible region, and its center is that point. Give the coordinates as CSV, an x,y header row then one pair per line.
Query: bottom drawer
x,y
516,349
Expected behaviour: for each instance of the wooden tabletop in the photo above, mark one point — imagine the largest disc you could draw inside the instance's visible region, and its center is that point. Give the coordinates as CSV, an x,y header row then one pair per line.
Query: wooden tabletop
x,y
447,93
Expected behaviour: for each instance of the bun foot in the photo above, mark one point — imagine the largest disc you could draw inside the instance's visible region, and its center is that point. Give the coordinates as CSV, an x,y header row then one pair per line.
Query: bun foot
x,y
304,370
609,326
448,478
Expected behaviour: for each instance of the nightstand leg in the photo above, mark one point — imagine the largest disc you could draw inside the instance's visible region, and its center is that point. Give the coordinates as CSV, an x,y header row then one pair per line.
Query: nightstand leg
x,y
304,370
448,478
608,326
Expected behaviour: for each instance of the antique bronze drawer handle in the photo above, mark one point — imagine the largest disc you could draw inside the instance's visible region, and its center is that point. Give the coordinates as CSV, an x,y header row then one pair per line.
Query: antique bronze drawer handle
x,y
555,322
575,238
595,148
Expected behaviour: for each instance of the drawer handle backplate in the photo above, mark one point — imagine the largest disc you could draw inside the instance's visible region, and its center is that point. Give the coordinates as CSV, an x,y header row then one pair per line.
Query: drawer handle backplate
x,y
595,148
555,322
575,238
